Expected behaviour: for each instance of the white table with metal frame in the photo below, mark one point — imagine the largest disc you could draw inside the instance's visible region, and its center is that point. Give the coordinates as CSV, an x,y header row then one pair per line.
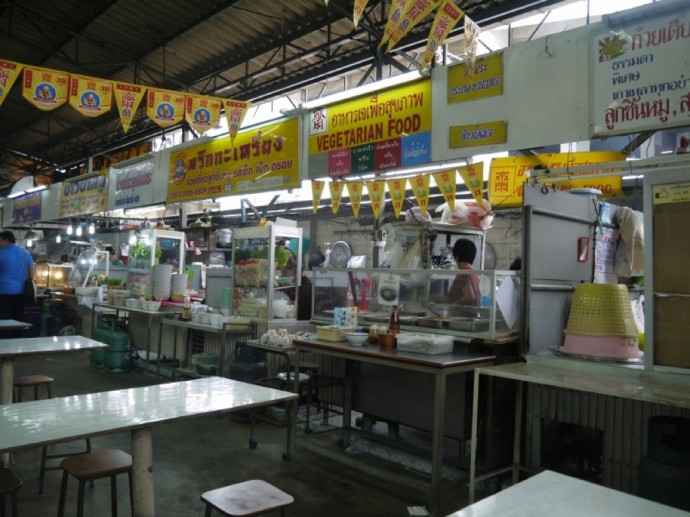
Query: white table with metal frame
x,y
49,421
14,325
550,493
439,366
17,347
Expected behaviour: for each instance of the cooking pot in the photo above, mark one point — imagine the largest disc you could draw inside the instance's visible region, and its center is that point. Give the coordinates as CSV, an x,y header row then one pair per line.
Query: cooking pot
x,y
223,237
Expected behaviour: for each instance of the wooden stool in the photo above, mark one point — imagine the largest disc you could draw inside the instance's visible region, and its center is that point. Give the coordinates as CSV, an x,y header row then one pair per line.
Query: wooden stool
x,y
9,484
246,499
27,381
95,465
24,381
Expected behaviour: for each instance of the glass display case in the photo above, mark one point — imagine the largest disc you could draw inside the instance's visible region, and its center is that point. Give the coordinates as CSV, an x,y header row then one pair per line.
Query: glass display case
x,y
153,247
375,291
52,275
267,272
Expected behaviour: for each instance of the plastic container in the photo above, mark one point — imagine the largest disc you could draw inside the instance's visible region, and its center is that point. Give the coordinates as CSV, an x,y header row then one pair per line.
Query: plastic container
x,y
601,310
206,364
430,344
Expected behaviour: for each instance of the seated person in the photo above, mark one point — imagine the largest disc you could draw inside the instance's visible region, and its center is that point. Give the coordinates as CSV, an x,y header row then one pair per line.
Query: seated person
x,y
465,288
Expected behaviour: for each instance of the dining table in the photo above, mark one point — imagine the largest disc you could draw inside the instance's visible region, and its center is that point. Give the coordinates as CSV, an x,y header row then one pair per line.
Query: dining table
x,y
14,325
10,349
138,410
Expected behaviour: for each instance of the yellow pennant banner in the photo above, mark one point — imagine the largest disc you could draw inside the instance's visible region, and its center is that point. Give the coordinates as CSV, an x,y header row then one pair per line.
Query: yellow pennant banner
x,y
45,89
354,190
165,107
471,42
336,190
446,182
394,16
127,99
376,191
420,188
415,12
9,71
358,11
473,176
89,96
202,113
316,193
235,112
396,188
447,16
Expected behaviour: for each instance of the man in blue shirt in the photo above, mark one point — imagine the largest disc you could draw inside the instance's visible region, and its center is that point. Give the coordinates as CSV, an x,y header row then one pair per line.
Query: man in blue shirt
x,y
15,264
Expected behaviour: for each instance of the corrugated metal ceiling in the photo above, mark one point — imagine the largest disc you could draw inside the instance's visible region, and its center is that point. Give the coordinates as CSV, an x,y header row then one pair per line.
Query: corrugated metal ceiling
x,y
242,49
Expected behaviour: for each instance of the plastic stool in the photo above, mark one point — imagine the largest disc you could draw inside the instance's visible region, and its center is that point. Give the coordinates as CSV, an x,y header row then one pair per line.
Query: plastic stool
x,y
28,381
9,484
246,499
92,466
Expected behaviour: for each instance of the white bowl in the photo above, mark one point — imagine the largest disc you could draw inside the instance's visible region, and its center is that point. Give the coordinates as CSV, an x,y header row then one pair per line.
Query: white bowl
x,y
133,303
151,306
356,338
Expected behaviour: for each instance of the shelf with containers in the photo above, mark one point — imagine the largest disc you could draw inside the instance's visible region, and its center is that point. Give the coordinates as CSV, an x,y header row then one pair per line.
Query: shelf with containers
x,y
375,291
153,247
267,273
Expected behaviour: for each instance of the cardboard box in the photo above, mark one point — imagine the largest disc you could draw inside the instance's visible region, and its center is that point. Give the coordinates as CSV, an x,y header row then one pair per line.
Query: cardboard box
x,y
671,331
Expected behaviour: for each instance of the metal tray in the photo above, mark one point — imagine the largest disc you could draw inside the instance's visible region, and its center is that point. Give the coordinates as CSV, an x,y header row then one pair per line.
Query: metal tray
x,y
459,324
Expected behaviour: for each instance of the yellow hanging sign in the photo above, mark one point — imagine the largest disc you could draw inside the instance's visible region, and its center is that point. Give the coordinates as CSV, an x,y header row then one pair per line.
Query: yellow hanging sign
x,y
473,176
127,99
420,188
396,189
202,113
316,193
376,191
234,113
446,182
89,96
336,190
165,108
45,89
415,12
446,18
354,191
9,71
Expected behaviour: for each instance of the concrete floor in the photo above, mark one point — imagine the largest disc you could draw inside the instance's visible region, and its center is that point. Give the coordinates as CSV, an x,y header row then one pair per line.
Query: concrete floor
x,y
194,456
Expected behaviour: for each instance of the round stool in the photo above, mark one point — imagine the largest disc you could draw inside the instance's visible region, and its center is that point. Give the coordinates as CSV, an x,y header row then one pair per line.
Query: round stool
x,y
28,381
9,484
246,499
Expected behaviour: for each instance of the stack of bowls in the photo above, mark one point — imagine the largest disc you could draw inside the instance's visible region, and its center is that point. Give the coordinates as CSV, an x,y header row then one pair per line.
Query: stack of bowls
x,y
179,286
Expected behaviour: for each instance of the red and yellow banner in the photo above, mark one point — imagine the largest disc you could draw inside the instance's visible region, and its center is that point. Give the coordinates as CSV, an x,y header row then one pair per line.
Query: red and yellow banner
x,y
447,16
415,12
127,99
446,182
260,160
394,16
358,11
471,42
396,189
336,190
45,89
316,193
376,191
202,113
507,176
473,176
90,96
9,71
354,191
234,113
420,189
165,107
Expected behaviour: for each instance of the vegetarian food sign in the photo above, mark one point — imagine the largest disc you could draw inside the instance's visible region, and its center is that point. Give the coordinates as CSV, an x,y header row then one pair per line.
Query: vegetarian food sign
x,y
376,132
260,160
642,75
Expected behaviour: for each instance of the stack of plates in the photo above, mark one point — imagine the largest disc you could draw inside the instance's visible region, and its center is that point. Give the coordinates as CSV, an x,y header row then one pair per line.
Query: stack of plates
x,y
161,286
226,300
179,286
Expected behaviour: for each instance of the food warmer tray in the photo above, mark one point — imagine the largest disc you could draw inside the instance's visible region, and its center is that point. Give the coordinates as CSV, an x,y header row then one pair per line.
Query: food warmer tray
x,y
459,324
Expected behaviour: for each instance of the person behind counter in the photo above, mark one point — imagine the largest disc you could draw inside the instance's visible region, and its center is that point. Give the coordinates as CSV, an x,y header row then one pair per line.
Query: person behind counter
x,y
465,288
14,262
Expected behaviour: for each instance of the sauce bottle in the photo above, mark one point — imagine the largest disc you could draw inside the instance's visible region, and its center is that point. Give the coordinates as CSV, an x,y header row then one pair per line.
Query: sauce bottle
x,y
394,322
187,308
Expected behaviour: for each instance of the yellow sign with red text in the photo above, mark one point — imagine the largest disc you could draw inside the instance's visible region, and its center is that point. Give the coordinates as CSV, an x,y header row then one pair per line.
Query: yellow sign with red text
x,y
45,89
420,188
396,189
165,108
263,159
89,96
354,191
202,113
127,98
9,71
376,191
316,193
336,190
508,175
446,182
473,176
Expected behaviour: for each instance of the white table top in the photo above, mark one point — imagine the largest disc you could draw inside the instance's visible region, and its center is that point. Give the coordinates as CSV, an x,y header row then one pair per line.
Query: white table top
x,y
46,345
548,494
41,422
13,325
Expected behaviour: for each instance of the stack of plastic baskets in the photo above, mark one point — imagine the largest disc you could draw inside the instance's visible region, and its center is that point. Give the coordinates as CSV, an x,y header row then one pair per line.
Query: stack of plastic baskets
x,y
601,323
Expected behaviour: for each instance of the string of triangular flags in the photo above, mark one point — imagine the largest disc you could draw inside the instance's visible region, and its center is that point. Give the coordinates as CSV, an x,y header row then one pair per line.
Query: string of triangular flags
x,y
472,175
48,89
404,15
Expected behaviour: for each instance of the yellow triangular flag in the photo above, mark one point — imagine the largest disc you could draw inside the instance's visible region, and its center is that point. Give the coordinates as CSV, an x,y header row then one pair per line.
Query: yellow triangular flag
x,y
127,99
45,89
420,188
358,11
9,71
446,18
396,188
394,15
235,112
336,189
473,176
354,190
471,41
446,181
415,12
376,191
165,107
202,113
91,97
316,192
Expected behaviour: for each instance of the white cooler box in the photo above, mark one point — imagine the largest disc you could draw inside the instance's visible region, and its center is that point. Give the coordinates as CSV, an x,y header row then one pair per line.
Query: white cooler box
x,y
425,343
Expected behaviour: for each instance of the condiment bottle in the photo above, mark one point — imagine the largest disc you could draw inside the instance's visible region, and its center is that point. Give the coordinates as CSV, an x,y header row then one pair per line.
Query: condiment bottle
x,y
187,308
394,322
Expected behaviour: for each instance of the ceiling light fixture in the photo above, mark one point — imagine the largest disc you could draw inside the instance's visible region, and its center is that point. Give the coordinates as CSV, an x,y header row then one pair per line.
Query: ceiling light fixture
x,y
78,231
92,228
